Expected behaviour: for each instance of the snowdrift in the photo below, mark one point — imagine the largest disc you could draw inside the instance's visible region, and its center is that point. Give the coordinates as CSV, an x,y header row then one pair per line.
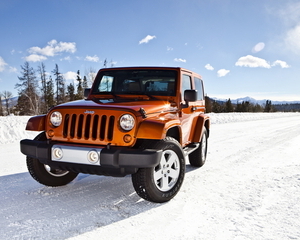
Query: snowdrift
x,y
12,128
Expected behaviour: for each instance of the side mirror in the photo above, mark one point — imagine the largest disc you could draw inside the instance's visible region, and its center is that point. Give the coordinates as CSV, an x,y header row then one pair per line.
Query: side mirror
x,y
86,92
190,95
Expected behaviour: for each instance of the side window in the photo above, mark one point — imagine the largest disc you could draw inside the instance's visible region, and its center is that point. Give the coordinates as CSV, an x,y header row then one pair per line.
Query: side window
x,y
186,84
199,87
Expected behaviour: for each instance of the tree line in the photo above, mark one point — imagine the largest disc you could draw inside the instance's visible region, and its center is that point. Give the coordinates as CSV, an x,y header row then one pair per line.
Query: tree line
x,y
245,106
38,91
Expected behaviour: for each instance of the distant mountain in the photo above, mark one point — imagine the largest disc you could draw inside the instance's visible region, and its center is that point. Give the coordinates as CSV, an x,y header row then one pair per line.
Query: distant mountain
x,y
254,101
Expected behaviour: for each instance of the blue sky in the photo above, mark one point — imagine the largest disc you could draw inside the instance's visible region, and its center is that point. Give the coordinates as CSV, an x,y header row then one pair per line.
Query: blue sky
x,y
240,47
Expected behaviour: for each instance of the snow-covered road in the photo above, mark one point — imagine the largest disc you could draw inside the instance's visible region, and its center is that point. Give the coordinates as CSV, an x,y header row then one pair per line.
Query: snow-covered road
x,y
248,189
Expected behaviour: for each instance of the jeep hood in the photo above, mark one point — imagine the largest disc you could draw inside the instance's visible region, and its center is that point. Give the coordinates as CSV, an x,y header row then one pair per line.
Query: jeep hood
x,y
149,106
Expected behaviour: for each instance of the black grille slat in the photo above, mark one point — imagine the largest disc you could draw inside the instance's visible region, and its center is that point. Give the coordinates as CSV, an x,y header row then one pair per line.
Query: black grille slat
x,y
73,125
80,126
102,127
66,125
110,131
89,127
95,127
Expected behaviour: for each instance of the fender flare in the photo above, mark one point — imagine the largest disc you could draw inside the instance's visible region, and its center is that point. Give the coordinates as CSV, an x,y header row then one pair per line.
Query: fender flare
x,y
155,129
203,121
36,123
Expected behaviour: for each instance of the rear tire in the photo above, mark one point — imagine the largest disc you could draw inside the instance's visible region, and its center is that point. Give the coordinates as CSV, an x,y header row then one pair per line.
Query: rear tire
x,y
162,182
198,157
45,174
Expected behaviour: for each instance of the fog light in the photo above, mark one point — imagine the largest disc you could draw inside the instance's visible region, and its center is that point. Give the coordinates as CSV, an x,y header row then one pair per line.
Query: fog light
x,y
127,138
93,156
57,153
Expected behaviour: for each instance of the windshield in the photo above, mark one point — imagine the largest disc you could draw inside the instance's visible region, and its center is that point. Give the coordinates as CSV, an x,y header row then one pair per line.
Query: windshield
x,y
148,82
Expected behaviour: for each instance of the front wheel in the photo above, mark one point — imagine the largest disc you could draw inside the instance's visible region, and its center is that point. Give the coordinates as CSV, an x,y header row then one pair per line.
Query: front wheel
x,y
162,182
45,174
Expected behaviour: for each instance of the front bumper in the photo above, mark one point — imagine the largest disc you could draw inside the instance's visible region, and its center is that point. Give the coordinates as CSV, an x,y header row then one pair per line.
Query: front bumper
x,y
75,157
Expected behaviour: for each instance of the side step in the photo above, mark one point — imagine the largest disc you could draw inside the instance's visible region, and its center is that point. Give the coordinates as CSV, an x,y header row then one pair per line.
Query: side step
x,y
190,148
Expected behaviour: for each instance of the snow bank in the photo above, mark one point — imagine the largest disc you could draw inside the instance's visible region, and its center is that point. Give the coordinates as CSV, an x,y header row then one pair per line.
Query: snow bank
x,y
218,118
12,128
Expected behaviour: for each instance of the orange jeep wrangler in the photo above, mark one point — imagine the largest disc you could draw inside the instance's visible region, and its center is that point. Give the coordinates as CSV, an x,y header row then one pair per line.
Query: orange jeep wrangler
x,y
143,121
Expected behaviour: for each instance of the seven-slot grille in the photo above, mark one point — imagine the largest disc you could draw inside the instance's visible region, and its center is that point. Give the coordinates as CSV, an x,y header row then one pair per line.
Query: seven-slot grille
x,y
87,126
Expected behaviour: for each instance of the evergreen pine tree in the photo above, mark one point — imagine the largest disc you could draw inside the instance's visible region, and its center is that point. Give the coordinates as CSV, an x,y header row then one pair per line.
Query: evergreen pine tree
x,y
60,85
50,102
228,106
79,94
85,83
268,106
216,107
71,92
208,106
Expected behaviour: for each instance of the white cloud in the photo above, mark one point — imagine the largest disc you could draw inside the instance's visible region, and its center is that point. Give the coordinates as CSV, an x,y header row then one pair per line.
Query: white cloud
x,y
282,64
209,67
258,47
68,58
35,58
250,61
54,48
147,39
3,64
170,48
95,58
289,14
292,39
70,76
179,60
13,69
222,72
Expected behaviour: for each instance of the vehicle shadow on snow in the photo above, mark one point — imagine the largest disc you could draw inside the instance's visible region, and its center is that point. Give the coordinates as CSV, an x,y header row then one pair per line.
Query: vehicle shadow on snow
x,y
31,210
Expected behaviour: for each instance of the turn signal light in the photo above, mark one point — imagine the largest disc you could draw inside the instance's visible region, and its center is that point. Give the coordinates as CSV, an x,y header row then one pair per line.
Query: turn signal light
x,y
127,138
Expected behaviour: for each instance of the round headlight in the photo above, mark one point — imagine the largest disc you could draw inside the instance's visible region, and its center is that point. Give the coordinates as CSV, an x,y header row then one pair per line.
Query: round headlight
x,y
56,119
127,122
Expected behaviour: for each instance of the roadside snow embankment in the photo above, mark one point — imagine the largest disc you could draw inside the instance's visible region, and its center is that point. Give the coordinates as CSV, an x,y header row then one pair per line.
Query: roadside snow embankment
x,y
218,118
12,128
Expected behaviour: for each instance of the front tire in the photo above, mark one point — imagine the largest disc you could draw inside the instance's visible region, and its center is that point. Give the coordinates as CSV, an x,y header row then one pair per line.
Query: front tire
x,y
45,174
162,182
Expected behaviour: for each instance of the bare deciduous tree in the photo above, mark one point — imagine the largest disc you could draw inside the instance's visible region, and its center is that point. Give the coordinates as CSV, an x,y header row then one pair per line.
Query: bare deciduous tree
x,y
7,95
43,78
28,90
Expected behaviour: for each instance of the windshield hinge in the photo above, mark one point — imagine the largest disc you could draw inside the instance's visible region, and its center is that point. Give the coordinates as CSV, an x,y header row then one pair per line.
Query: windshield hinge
x,y
143,112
